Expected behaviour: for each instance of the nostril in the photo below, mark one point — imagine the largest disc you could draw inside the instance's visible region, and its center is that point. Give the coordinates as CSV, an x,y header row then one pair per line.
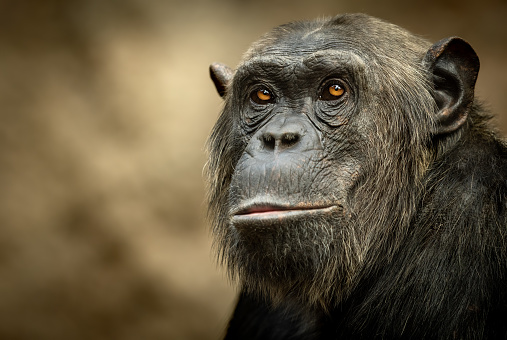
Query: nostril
x,y
289,139
269,141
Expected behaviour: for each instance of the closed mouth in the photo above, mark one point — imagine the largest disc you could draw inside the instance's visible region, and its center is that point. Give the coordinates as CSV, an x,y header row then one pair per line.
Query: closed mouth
x,y
267,211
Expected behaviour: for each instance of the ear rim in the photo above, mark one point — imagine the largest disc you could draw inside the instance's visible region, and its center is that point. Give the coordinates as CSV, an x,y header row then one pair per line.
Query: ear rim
x,y
221,76
453,63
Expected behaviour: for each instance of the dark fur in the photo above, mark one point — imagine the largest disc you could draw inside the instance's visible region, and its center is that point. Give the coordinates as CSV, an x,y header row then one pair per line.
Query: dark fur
x,y
417,248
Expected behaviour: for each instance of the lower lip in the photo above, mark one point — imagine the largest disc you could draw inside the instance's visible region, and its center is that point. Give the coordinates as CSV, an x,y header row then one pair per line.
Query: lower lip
x,y
280,215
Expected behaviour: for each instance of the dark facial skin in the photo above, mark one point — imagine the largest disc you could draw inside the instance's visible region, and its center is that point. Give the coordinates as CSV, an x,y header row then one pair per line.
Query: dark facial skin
x,y
287,163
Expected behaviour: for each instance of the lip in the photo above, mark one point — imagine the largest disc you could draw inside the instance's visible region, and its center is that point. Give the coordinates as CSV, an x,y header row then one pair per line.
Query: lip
x,y
268,212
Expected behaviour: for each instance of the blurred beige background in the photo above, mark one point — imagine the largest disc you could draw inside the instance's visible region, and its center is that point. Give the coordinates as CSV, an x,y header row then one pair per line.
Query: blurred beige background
x,y
105,109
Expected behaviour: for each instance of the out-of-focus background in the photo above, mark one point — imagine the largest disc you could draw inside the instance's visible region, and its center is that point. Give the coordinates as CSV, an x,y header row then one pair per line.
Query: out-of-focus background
x,y
105,107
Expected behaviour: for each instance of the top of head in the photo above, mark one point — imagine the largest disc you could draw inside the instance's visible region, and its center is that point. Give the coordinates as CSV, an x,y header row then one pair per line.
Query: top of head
x,y
354,32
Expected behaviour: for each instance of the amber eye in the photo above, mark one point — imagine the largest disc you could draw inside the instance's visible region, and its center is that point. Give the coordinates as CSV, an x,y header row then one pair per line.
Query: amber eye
x,y
336,90
261,96
332,91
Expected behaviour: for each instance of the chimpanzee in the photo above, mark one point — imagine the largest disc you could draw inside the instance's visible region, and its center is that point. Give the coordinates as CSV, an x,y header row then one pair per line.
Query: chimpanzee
x,y
356,190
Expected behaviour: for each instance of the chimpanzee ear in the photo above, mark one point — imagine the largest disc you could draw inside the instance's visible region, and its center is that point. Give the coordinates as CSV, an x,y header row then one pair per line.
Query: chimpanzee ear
x,y
221,75
454,66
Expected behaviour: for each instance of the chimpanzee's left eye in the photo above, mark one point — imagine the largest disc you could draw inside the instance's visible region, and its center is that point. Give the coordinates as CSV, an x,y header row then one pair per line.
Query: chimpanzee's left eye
x,y
332,90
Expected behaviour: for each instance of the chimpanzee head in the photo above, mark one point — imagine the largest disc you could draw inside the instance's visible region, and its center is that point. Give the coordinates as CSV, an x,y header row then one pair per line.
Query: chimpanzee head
x,y
317,159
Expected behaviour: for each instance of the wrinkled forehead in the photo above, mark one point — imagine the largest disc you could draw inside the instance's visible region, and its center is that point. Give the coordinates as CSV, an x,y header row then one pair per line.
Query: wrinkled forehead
x,y
309,47
308,41
291,61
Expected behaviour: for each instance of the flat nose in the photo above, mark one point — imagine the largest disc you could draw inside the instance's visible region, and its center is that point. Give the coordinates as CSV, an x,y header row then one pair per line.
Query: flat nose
x,y
285,138
286,133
